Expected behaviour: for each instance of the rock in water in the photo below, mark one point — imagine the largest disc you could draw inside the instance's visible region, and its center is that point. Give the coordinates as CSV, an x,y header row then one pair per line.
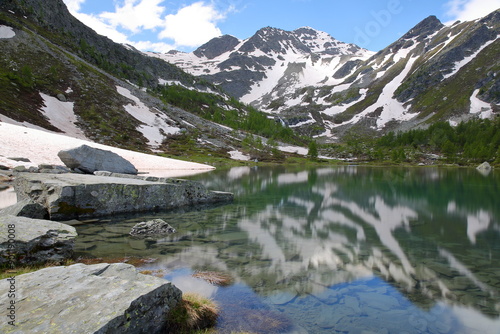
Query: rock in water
x,y
484,166
89,159
30,241
100,298
152,227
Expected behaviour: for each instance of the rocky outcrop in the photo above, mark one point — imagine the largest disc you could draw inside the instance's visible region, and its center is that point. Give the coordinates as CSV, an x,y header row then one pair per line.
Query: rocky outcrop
x,y
28,241
26,208
70,196
484,166
151,228
101,298
217,46
88,159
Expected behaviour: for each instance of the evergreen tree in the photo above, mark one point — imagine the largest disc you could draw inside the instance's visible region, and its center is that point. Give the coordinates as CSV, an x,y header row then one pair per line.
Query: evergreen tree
x,y
313,150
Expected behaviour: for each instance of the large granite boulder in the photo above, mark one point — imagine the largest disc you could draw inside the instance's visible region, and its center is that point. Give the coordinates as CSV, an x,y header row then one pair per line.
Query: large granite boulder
x,y
74,196
88,159
29,241
100,298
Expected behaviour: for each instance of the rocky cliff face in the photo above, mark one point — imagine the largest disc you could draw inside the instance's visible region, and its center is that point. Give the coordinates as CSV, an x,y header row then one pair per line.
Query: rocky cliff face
x,y
323,87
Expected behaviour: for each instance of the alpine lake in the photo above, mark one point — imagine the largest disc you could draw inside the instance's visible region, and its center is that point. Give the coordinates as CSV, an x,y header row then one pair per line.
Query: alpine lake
x,y
347,249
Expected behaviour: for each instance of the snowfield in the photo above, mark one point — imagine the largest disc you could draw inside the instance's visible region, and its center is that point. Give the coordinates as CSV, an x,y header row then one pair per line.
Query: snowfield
x,y
41,147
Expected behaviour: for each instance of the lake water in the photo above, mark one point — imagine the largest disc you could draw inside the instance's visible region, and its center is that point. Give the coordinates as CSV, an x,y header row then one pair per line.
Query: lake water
x,y
333,250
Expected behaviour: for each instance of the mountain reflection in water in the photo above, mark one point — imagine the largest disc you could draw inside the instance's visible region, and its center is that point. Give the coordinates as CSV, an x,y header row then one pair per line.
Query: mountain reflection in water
x,y
347,249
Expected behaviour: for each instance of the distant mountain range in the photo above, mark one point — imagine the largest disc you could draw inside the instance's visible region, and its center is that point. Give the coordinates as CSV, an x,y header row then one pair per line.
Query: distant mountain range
x,y
321,86
58,74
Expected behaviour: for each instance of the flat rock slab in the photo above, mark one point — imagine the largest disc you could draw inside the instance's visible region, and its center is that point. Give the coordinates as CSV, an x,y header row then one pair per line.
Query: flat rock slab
x,y
101,298
73,196
28,241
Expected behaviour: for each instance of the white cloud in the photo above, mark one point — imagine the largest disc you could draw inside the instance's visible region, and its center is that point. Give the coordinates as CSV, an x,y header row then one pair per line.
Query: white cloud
x,y
192,25
102,28
153,46
136,15
468,10
74,5
187,27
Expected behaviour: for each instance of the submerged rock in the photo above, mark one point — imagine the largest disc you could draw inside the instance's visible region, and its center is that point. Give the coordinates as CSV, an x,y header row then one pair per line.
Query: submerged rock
x,y
89,159
100,298
152,227
29,241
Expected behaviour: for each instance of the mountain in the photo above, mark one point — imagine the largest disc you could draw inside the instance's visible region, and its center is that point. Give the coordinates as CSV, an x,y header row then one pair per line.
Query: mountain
x,y
289,86
59,75
325,88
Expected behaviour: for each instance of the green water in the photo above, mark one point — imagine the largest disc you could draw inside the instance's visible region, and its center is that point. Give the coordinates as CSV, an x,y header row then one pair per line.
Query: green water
x,y
333,250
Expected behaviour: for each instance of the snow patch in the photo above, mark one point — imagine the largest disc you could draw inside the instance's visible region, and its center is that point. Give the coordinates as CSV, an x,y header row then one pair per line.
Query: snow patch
x,y
6,32
41,147
61,115
155,124
478,106
237,155
294,149
459,64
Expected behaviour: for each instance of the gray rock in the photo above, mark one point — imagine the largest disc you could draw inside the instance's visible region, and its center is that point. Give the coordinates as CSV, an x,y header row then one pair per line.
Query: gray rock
x,y
74,196
152,227
20,169
89,159
61,97
484,169
34,241
53,169
101,298
484,166
26,208
20,159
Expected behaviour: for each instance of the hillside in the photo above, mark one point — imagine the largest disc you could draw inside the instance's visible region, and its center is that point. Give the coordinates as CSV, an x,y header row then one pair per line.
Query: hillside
x,y
322,87
59,75
265,97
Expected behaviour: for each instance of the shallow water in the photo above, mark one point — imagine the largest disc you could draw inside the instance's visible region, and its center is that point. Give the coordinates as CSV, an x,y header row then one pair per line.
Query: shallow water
x,y
333,250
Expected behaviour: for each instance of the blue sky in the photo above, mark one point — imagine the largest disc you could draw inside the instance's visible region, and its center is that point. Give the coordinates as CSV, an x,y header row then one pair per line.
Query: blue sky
x,y
162,25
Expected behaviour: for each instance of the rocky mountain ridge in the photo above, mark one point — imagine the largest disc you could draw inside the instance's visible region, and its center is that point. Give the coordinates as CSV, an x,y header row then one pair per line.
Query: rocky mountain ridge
x,y
325,88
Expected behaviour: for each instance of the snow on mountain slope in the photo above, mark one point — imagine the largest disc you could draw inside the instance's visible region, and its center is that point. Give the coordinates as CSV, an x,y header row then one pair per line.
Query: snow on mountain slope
x,y
154,124
282,59
323,87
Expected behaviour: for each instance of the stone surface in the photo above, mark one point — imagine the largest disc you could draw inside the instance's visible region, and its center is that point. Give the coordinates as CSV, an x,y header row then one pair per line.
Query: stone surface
x,y
27,241
89,159
101,298
26,208
72,196
152,227
484,166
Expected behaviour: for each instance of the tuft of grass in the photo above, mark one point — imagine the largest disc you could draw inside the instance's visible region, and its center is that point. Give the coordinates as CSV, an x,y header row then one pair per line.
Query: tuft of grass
x,y
194,313
7,272
214,277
